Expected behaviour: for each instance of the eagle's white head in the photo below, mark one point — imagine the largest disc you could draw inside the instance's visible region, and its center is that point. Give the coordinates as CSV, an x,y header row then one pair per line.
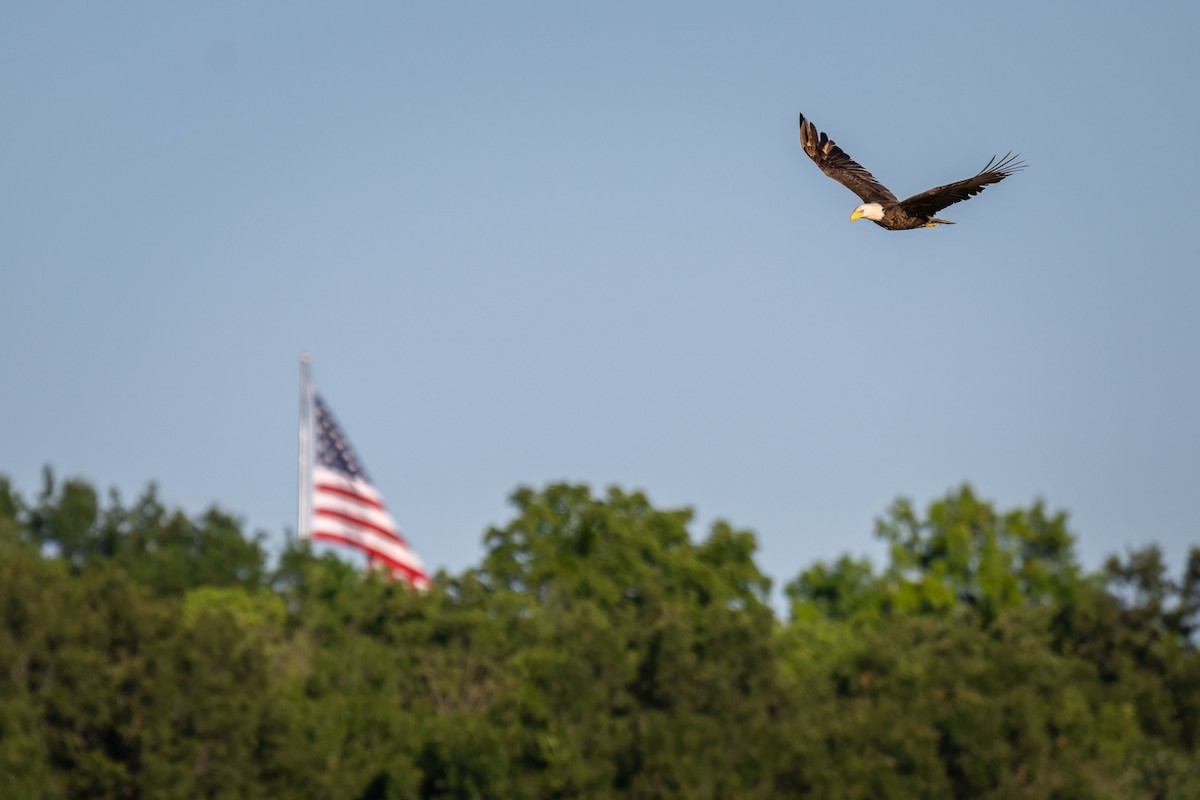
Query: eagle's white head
x,y
872,211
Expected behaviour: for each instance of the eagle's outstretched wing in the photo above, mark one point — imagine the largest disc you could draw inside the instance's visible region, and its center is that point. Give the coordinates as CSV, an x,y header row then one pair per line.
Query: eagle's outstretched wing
x,y
834,162
928,203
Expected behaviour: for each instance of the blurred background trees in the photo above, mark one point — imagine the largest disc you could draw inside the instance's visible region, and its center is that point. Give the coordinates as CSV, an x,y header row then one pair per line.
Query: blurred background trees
x,y
598,650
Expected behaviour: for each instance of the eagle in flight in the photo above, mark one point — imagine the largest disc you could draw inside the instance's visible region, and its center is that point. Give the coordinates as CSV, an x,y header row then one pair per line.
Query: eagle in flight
x,y
879,204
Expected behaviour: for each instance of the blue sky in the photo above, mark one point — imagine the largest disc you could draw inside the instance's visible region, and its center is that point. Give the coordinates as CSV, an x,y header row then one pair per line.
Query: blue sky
x,y
531,242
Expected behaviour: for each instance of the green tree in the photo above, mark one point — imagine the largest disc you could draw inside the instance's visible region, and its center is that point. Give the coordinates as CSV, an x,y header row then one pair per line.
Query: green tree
x,y
846,589
158,548
599,651
12,534
646,648
966,554
963,557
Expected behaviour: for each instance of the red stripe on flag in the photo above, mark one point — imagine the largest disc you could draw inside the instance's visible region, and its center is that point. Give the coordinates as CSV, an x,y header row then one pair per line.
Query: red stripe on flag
x,y
414,576
366,501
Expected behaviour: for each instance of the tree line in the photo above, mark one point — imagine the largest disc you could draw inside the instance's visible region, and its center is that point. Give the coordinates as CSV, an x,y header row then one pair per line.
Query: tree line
x,y
598,650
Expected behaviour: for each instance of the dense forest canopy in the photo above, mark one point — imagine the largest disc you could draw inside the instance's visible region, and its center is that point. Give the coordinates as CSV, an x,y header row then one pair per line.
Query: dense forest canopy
x,y
599,650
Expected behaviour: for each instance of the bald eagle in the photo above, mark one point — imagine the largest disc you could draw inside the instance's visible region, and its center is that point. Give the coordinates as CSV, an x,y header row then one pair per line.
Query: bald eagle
x,y
879,204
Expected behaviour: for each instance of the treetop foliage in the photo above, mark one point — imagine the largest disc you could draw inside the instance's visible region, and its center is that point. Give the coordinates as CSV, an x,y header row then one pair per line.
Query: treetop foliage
x,y
962,558
598,650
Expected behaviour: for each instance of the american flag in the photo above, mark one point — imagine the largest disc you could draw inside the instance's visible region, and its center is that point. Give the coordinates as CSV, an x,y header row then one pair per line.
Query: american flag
x,y
348,510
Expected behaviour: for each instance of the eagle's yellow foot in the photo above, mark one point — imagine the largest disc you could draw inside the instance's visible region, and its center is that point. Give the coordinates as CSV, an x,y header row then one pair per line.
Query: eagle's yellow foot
x,y
931,224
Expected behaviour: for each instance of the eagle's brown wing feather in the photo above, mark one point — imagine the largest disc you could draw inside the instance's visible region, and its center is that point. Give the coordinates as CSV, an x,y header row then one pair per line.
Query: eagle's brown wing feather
x,y
834,162
928,203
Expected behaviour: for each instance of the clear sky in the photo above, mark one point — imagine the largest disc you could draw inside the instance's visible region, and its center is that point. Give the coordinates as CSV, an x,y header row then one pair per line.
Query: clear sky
x,y
529,242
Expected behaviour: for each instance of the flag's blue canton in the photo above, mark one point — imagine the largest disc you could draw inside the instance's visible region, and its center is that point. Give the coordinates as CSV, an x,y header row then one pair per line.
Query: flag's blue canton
x,y
333,449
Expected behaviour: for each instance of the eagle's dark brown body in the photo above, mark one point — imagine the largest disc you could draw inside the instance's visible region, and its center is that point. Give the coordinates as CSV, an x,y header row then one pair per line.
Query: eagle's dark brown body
x,y
895,218
917,211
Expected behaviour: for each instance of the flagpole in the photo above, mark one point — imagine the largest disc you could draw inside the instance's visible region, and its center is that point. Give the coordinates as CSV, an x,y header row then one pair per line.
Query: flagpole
x,y
304,493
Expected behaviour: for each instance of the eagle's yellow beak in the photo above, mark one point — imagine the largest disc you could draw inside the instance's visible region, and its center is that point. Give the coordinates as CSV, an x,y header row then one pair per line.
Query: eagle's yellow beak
x,y
856,216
